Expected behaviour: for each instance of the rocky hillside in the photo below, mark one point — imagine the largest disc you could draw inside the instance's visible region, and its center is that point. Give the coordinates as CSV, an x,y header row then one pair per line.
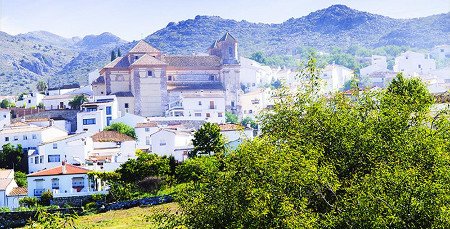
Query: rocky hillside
x,y
25,58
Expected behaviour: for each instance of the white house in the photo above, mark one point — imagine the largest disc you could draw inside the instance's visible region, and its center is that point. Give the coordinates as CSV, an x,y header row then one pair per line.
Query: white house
x,y
381,79
235,134
378,64
254,102
110,150
5,118
254,74
168,142
144,130
72,149
29,136
44,122
206,104
414,64
55,102
334,77
10,193
441,51
65,89
95,116
63,181
30,100
130,119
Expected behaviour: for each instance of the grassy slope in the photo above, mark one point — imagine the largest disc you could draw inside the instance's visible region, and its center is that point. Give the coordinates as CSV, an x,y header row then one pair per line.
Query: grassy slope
x,y
129,218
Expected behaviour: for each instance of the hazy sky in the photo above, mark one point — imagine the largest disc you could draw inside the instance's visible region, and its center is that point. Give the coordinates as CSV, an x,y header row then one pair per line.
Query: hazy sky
x,y
134,19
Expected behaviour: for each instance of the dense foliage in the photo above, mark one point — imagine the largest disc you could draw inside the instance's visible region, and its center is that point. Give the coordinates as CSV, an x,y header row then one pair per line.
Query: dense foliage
x,y
13,158
372,160
123,129
208,140
76,102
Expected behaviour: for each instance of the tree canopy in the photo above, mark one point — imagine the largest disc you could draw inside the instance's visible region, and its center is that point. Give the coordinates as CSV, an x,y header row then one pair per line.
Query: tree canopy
x,y
123,129
76,102
208,140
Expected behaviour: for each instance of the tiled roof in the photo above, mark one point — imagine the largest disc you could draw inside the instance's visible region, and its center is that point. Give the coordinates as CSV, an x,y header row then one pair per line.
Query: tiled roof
x,y
70,169
119,62
192,61
67,86
21,129
214,45
195,86
18,191
146,124
143,47
99,80
123,94
111,136
4,183
63,96
147,60
213,94
229,126
5,173
227,36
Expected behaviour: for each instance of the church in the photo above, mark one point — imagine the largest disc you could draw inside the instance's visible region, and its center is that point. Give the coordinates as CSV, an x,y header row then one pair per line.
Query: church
x,y
146,81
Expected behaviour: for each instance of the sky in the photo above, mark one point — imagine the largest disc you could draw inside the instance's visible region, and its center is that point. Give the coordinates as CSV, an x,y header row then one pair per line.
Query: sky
x,y
135,19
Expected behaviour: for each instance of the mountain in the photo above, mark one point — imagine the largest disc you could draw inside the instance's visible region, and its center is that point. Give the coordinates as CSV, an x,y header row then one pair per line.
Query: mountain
x,y
26,58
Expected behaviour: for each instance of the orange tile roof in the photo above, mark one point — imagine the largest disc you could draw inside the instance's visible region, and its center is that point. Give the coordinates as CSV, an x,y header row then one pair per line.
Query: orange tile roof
x,y
70,169
18,191
146,124
143,47
193,61
229,126
111,136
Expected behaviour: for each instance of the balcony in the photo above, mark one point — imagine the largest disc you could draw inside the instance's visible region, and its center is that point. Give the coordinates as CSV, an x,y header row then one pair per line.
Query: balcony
x,y
38,191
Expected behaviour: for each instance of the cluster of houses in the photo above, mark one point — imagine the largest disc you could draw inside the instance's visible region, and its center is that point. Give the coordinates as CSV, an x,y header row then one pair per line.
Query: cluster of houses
x,y
165,98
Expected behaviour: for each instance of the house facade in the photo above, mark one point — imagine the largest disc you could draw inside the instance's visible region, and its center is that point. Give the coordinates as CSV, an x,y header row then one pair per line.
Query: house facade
x,y
10,193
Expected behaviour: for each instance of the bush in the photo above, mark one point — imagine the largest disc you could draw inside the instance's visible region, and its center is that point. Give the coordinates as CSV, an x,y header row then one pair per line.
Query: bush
x,y
98,197
28,201
46,197
123,129
194,169
21,178
4,209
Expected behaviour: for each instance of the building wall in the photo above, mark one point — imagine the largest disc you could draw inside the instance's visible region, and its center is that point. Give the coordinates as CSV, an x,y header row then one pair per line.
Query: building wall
x,y
413,63
230,75
5,118
193,106
150,99
65,185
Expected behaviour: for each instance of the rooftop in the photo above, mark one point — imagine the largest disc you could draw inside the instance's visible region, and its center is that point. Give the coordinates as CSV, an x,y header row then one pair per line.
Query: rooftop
x,y
230,127
18,191
4,183
147,60
193,61
5,173
111,136
146,124
143,47
70,169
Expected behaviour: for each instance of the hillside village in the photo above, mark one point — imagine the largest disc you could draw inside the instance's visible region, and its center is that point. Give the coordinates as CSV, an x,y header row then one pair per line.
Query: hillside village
x,y
165,98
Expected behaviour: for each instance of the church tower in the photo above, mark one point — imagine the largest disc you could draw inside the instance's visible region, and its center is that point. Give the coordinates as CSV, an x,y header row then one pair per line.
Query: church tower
x,y
225,48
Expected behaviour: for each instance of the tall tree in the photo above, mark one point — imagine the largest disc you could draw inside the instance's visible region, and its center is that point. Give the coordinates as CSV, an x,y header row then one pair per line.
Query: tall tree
x,y
41,86
76,102
119,54
113,55
208,140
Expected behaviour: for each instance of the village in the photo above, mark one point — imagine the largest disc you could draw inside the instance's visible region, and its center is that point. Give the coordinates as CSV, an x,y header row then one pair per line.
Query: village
x,y
63,131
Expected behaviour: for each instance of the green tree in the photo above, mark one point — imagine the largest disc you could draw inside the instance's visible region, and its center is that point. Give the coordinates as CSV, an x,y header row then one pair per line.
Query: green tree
x,y
208,140
145,165
197,168
113,55
249,121
231,118
123,129
6,104
76,102
46,198
258,57
20,178
119,54
13,158
41,86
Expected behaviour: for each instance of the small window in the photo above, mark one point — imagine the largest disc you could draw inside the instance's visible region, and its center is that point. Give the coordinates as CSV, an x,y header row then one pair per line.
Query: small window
x,y
219,114
147,129
6,139
55,146
149,73
162,143
36,160
442,50
16,138
169,78
54,158
90,121
41,159
198,114
33,136
211,78
126,105
232,103
208,115
147,140
250,112
420,66
199,103
90,109
31,160
108,110
25,137
136,57
230,51
29,101
108,121
55,183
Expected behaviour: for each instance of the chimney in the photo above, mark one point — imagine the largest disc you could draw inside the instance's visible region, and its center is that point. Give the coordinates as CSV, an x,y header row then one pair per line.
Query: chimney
x,y
64,171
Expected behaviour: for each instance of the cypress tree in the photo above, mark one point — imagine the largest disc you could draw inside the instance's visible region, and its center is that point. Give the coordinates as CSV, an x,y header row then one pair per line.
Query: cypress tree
x,y
118,52
113,55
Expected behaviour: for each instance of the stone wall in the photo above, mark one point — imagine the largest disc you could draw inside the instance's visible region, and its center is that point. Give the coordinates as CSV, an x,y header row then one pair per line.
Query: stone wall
x,y
69,115
74,201
19,219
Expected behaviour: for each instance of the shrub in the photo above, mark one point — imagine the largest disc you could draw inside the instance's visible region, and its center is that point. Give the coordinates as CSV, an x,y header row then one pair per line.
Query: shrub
x,y
46,197
28,201
196,168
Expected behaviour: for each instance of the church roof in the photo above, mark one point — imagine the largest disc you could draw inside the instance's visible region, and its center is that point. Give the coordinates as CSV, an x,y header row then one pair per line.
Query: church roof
x,y
227,36
119,62
196,86
214,45
147,60
143,47
193,61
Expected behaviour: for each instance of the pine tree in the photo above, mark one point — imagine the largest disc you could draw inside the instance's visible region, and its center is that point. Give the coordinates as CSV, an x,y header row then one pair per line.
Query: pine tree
x,y
118,53
113,55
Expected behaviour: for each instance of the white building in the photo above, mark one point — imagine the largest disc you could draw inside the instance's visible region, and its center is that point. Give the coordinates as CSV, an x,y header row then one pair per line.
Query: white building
x,y
95,116
44,122
29,136
381,79
65,89
31,100
10,193
130,119
144,131
441,51
209,105
55,102
168,142
334,77
72,149
254,102
253,74
63,181
235,134
5,118
414,64
110,150
378,64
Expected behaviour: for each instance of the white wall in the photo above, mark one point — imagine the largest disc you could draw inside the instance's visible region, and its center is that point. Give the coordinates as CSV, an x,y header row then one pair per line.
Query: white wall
x,y
413,63
65,185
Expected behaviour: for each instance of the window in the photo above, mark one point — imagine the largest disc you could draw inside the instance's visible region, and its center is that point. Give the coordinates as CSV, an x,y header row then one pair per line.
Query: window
x,y
78,183
108,111
211,105
54,158
198,114
33,136
162,143
55,183
250,111
126,105
199,103
211,78
31,160
16,138
147,129
230,51
149,73
41,159
169,78
36,160
89,121
108,121
219,114
420,66
136,57
6,139
208,115
55,146
147,140
232,103
25,137
29,101
90,109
